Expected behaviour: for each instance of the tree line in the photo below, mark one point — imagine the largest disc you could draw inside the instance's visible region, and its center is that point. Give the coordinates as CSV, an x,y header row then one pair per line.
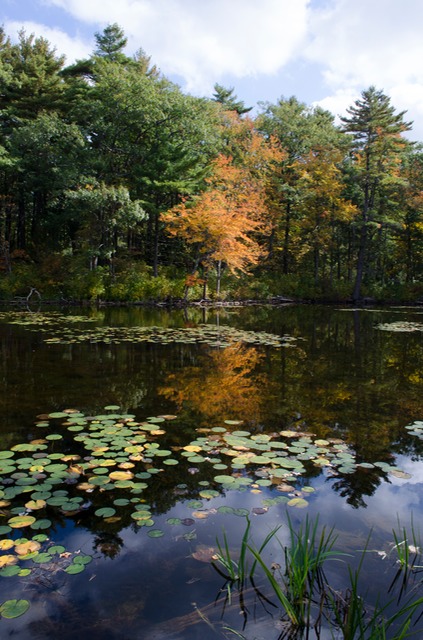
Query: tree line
x,y
116,184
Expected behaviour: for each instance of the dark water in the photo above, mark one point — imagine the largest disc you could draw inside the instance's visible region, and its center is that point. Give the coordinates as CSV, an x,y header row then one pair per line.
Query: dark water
x,y
342,378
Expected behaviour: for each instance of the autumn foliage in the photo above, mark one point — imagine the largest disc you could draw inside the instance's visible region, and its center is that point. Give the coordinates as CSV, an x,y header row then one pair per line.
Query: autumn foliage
x,y
231,381
225,221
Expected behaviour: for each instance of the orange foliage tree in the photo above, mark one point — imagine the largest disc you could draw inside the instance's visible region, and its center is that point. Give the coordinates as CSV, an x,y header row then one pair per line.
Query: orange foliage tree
x,y
224,223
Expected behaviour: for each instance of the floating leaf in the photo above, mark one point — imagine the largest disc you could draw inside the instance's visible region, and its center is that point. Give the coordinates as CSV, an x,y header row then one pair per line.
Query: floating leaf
x,y
398,473
299,503
200,515
7,560
27,547
105,512
225,509
82,559
56,549
44,523
73,569
33,505
10,571
5,545
187,522
6,454
194,504
14,608
120,475
18,522
208,494
42,558
155,533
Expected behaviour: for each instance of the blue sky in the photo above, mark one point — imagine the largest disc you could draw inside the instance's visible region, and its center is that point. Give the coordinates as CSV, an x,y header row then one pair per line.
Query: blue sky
x,y
322,51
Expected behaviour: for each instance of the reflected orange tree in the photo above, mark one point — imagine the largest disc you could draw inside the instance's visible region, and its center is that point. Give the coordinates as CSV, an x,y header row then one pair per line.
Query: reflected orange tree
x,y
225,385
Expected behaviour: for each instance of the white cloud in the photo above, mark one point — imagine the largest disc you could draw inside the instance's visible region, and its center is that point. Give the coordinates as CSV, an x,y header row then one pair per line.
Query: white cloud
x,y
72,48
203,41
370,42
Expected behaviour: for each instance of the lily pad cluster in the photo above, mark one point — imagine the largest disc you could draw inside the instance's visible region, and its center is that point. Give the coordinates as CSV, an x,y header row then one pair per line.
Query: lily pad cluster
x,y
42,321
400,326
57,326
415,429
22,556
259,460
115,453
36,481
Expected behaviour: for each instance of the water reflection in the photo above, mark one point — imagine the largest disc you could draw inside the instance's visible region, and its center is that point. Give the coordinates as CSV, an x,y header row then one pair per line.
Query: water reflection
x,y
343,378
224,384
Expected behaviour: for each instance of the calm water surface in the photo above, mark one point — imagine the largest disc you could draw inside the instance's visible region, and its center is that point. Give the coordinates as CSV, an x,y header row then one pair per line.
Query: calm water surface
x,y
343,378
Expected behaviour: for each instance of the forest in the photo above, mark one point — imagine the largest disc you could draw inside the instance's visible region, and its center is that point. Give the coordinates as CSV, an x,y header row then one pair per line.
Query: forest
x,y
117,186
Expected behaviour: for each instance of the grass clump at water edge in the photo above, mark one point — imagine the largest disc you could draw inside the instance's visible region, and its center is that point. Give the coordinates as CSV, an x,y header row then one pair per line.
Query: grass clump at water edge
x,y
310,608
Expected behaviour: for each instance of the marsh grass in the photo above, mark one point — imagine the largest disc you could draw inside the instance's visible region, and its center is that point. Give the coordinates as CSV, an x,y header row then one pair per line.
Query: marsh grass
x,y
307,602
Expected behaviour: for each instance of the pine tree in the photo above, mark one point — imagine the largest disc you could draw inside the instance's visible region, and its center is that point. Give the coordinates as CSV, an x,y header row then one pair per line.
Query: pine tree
x,y
377,146
229,102
110,43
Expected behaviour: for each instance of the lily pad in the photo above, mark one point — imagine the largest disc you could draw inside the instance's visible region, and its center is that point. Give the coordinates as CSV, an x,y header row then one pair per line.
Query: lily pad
x,y
105,512
73,568
299,503
14,608
18,522
155,533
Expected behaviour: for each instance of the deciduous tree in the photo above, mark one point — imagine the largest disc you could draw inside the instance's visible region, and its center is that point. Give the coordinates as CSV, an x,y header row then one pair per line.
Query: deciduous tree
x,y
222,221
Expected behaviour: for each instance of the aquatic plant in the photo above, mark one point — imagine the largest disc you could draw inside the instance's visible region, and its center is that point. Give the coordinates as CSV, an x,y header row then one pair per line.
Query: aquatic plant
x,y
307,601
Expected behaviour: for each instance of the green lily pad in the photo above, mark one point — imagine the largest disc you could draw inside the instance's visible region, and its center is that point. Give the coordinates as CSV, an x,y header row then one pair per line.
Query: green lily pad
x,y
73,569
105,512
82,559
155,533
225,509
194,504
56,549
208,494
299,503
5,529
4,455
10,571
42,558
44,523
14,608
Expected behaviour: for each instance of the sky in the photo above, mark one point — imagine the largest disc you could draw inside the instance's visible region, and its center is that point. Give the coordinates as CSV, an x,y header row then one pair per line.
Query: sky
x,y
324,52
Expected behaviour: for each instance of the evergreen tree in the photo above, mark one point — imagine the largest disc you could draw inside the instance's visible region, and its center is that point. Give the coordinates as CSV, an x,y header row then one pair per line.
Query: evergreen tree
x,y
110,43
228,101
301,131
377,145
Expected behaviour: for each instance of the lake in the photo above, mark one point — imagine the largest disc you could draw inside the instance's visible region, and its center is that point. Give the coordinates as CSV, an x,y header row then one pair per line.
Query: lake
x,y
134,441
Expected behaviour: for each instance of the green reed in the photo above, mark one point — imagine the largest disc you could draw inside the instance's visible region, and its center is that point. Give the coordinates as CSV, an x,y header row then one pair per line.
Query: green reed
x,y
301,590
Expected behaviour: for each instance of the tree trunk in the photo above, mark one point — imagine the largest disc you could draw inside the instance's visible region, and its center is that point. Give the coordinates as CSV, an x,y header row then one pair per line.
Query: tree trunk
x,y
361,261
286,240
156,246
219,276
21,224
